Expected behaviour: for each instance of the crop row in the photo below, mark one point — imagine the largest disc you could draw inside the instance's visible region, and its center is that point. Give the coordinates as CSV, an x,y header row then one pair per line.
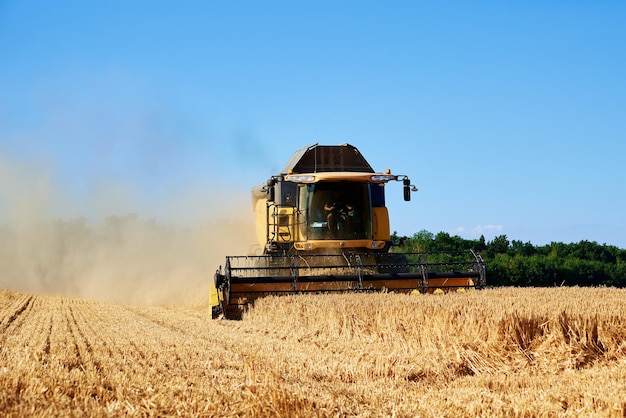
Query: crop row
x,y
539,352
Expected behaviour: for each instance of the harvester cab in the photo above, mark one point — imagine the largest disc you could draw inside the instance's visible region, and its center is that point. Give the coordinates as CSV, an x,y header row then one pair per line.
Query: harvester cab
x,y
323,226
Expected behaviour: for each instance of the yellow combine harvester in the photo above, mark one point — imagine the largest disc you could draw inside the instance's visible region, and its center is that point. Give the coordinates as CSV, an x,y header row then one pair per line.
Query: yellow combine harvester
x,y
323,226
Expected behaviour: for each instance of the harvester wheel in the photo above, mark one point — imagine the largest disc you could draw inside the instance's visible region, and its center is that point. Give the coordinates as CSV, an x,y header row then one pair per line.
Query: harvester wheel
x,y
216,312
234,312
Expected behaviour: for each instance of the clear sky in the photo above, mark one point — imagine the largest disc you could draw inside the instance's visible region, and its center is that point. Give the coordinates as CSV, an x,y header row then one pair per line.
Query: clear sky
x,y
510,117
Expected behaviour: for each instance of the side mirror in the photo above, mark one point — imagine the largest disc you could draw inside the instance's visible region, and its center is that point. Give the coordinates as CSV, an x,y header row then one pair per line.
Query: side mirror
x,y
271,192
407,189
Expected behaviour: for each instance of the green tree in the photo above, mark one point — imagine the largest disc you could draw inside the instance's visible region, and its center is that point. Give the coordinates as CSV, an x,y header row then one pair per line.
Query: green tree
x,y
423,241
499,245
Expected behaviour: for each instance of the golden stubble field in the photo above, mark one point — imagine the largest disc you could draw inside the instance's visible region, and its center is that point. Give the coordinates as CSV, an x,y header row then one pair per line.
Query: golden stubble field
x,y
497,352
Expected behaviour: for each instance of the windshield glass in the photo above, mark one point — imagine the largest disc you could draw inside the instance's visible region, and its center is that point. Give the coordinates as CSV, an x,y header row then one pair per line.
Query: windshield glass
x,y
339,210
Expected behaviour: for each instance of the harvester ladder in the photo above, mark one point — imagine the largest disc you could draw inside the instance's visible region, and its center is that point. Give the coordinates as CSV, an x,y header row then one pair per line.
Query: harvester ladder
x,y
282,227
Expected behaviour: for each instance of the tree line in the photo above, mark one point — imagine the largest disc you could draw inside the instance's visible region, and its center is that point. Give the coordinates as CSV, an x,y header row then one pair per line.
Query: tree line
x,y
517,263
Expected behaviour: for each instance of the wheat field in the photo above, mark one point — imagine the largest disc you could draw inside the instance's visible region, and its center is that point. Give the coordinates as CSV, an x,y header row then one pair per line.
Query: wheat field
x,y
496,352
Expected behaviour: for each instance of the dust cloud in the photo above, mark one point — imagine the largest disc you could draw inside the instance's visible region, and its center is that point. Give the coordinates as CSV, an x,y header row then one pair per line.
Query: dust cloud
x,y
109,254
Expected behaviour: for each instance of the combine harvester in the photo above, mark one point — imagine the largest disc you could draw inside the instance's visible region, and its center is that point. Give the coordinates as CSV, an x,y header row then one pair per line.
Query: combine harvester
x,y
323,226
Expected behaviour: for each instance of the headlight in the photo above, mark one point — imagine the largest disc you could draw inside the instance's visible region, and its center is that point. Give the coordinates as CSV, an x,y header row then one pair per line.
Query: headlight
x,y
300,179
380,178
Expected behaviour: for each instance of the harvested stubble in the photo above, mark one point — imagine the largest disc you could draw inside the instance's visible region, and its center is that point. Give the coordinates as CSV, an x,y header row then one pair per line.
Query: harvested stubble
x,y
497,352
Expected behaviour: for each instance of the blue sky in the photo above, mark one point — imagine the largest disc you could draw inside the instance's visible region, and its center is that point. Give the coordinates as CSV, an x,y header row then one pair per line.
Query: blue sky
x,y
508,116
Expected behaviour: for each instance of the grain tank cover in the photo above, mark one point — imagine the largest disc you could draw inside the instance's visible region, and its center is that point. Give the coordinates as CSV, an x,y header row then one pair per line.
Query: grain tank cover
x,y
327,158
